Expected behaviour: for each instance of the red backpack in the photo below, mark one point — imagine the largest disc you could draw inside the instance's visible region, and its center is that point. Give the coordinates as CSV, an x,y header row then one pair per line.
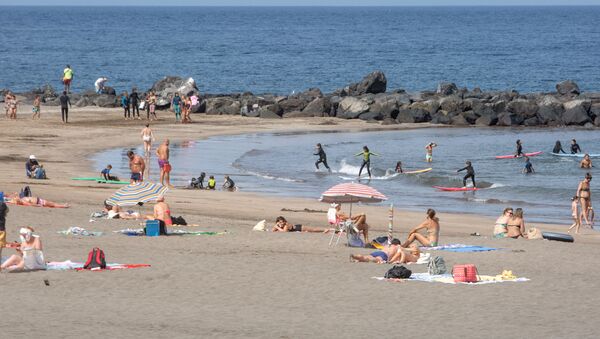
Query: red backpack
x,y
95,259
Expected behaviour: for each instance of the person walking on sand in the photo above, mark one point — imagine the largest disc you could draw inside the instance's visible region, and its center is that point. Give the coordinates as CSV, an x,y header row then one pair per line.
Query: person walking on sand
x,y
99,85
470,174
322,157
147,137
36,107
134,99
429,150
13,105
67,78
366,154
575,215
137,167
3,213
585,196
65,103
125,105
152,106
176,104
162,152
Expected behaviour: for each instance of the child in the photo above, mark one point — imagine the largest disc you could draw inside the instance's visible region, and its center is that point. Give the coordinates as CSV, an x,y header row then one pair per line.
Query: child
x,y
36,107
228,184
212,183
105,173
575,215
399,167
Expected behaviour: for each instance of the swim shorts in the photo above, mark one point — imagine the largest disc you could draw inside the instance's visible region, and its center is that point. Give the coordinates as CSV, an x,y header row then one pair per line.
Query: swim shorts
x,y
167,168
380,254
35,109
162,163
428,157
67,81
433,244
136,177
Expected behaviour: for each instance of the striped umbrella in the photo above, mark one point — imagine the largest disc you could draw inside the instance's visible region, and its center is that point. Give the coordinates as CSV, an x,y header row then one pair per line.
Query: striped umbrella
x,y
133,194
351,193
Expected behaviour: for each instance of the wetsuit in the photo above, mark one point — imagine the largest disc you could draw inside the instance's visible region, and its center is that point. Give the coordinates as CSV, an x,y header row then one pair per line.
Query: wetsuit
x,y
322,158
557,149
134,99
470,174
528,167
65,102
575,148
519,150
177,107
125,105
229,184
366,161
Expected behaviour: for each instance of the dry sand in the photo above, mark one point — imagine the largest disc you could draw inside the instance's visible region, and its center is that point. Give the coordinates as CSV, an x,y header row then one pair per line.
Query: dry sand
x,y
254,284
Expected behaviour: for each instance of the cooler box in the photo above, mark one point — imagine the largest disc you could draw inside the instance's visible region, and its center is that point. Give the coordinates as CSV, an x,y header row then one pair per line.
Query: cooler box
x,y
152,228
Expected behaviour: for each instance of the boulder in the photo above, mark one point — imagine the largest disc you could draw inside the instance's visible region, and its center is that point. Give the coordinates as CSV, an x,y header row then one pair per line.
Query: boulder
x,y
351,108
309,94
486,120
567,87
267,112
547,114
200,107
459,120
451,104
413,115
222,105
597,121
499,106
548,100
576,112
446,88
169,85
485,109
109,90
470,117
368,116
51,102
509,119
318,107
533,121
386,105
292,104
83,101
105,100
374,83
522,107
430,106
441,117
595,111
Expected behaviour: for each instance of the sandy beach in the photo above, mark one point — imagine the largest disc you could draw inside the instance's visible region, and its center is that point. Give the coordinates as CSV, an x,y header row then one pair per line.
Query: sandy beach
x,y
259,284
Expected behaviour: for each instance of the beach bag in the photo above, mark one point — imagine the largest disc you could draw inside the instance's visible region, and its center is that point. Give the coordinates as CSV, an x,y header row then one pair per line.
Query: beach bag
x,y
25,192
398,272
96,259
260,226
436,266
178,220
465,273
354,240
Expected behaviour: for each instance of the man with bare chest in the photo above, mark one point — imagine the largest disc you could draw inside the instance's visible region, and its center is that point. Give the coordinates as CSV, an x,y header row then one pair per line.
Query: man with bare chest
x,y
163,162
137,167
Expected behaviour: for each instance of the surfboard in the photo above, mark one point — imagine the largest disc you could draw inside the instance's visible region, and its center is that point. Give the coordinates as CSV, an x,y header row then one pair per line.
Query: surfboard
x,y
576,155
456,189
425,170
512,156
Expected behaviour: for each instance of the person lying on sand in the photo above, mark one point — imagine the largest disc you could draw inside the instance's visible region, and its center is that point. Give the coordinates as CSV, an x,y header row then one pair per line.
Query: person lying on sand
x,y
29,253
115,212
282,225
432,227
359,220
379,257
34,201
406,255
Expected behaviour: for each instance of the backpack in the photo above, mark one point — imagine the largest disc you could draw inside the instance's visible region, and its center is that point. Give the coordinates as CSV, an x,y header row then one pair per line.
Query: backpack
x,y
398,272
95,259
25,192
436,266
178,221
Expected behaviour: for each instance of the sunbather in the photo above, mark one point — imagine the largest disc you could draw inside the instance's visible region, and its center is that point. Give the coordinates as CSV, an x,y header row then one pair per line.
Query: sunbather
x,y
115,212
405,255
379,257
162,213
431,225
282,225
29,254
359,220
34,201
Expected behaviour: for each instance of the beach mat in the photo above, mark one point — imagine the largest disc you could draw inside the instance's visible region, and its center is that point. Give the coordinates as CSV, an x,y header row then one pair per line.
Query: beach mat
x,y
447,279
458,248
136,232
78,266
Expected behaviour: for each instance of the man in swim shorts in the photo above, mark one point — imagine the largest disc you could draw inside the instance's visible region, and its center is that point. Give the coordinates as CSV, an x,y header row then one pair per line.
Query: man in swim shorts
x,y
162,152
429,149
379,257
137,167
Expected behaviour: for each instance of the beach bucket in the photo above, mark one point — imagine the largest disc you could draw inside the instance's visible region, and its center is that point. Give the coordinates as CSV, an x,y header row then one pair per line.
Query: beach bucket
x,y
465,273
152,228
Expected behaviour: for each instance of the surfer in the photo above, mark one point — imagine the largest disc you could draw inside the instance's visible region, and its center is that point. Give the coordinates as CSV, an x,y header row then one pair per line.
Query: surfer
x,y
429,149
519,152
470,174
528,166
586,162
399,167
322,157
558,147
366,160
575,147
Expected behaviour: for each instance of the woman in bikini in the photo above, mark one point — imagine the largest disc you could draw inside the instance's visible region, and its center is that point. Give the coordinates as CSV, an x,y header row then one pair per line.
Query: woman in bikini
x,y
431,225
34,201
147,137
585,197
501,227
282,225
516,225
29,253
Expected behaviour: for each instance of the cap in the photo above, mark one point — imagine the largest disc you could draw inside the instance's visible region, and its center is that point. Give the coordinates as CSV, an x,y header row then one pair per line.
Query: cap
x,y
32,157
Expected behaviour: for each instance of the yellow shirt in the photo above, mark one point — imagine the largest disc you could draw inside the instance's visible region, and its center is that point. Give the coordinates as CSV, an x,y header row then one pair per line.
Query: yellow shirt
x,y
68,73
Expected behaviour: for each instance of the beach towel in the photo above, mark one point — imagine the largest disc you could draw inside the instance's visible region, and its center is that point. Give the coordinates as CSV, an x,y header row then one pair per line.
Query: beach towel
x,y
140,232
458,248
71,265
447,279
74,230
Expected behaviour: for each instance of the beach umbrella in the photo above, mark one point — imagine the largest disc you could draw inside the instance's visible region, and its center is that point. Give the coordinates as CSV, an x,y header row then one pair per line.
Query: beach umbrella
x,y
351,193
135,194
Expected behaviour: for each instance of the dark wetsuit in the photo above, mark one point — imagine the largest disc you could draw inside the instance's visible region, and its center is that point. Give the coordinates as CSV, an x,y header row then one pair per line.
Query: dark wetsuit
x,y
557,149
470,174
528,167
125,105
134,100
229,185
322,158
575,148
519,150
65,103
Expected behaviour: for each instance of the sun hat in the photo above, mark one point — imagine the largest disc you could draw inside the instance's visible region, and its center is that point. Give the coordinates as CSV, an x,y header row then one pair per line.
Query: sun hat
x,y
32,157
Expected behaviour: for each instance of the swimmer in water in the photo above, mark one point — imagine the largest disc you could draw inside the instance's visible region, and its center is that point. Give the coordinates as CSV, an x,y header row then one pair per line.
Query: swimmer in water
x,y
519,152
322,157
366,160
586,162
399,167
528,166
558,147
470,174
575,147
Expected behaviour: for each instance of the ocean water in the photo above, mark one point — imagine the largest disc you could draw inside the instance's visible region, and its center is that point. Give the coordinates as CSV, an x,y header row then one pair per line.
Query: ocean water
x,y
283,164
281,50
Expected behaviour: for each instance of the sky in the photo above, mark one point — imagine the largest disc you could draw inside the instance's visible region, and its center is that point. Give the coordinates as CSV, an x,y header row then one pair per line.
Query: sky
x,y
298,2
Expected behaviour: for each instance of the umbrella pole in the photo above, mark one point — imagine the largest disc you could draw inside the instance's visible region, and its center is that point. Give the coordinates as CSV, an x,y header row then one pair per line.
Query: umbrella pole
x,y
390,224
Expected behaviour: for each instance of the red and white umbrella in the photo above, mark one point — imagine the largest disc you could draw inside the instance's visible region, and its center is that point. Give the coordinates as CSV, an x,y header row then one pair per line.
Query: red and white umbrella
x,y
351,193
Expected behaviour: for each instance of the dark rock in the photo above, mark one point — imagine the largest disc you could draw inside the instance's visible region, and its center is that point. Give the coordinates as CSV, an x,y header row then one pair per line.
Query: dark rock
x,y
109,90
374,83
441,117
430,106
567,87
595,111
522,107
83,101
267,112
547,114
311,94
200,107
292,104
387,105
451,104
459,120
51,102
509,119
470,116
318,107
499,106
533,121
588,125
576,112
222,105
413,115
597,121
446,88
105,100
484,109
486,120
371,116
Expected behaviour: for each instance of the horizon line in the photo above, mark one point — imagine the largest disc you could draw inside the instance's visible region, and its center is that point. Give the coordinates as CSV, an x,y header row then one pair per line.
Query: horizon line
x,y
309,6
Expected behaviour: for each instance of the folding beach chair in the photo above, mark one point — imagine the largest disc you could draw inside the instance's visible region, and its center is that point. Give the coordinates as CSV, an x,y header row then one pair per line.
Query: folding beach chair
x,y
339,226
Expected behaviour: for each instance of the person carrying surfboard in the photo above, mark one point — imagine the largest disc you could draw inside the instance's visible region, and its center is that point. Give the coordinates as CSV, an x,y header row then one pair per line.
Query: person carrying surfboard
x,y
470,174
366,160
429,149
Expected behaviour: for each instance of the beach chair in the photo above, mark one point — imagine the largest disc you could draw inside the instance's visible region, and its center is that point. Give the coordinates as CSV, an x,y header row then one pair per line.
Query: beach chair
x,y
338,226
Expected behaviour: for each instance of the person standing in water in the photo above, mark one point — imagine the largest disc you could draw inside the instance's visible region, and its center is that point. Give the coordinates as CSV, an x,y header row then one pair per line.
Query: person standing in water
x,y
470,174
575,147
519,152
322,157
585,197
528,166
586,162
147,137
137,167
575,215
558,148
163,162
366,160
429,149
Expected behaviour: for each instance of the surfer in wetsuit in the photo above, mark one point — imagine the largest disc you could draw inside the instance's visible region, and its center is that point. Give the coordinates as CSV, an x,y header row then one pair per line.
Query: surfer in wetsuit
x,y
470,174
575,147
528,166
366,160
399,167
322,157
558,147
519,152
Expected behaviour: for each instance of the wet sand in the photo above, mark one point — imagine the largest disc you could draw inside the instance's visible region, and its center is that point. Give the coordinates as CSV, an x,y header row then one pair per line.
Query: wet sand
x,y
255,284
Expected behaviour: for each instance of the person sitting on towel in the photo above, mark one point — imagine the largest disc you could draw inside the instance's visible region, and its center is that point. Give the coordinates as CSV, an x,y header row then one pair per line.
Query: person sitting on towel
x,y
282,225
29,253
380,257
405,255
